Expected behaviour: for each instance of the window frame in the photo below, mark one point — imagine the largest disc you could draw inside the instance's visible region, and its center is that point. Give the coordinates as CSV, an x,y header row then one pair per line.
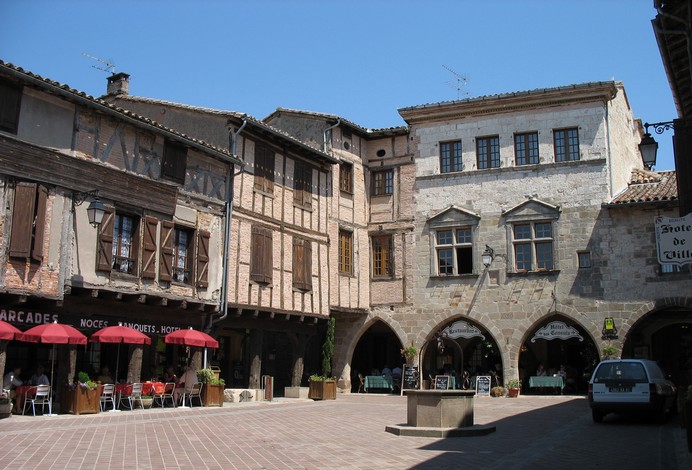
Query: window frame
x,y
523,151
382,261
453,247
174,161
302,184
346,177
345,252
265,162
302,264
186,258
568,155
382,183
489,158
451,157
532,241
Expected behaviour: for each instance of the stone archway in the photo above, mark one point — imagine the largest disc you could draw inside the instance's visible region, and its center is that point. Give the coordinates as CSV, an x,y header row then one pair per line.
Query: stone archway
x,y
377,347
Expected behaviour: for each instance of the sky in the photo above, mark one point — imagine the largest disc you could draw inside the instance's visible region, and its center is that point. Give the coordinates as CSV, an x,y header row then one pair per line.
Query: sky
x,y
359,59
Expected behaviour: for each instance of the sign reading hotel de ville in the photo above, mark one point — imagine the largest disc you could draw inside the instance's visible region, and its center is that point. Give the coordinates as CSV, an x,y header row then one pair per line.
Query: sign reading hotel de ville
x,y
674,239
556,330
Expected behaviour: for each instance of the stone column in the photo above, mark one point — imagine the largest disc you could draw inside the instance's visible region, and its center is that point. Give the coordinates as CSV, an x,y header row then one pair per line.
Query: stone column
x,y
299,342
134,367
256,337
3,356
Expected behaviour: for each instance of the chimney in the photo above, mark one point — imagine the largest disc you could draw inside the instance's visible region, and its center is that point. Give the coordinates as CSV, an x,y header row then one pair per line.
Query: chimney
x,y
118,84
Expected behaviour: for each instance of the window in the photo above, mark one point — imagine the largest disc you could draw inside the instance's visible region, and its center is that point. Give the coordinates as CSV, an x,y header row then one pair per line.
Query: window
x,y
28,221
302,185
526,148
174,161
382,256
346,177
454,251
125,244
10,102
584,258
566,145
302,264
261,264
182,255
450,157
345,252
488,152
264,169
533,246
382,182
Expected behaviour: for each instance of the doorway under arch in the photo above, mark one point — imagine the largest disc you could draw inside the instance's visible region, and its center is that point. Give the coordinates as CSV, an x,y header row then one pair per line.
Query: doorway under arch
x,y
377,348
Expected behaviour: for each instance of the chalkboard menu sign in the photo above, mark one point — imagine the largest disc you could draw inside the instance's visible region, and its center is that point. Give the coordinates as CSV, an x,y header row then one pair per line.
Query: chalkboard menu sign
x,y
442,382
409,379
483,385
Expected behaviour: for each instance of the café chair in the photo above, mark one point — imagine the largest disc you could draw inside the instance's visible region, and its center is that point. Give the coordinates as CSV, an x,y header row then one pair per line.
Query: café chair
x,y
166,394
42,397
107,396
195,392
135,394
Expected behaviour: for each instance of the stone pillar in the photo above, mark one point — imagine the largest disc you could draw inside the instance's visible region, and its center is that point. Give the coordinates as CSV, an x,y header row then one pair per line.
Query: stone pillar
x,y
64,367
134,367
196,359
3,356
299,342
256,337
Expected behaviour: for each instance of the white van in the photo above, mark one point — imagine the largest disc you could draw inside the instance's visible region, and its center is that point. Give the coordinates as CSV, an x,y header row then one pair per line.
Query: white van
x,y
629,385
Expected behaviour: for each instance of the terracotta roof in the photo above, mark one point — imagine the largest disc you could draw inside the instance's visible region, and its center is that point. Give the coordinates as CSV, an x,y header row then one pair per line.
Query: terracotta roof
x,y
648,187
368,132
75,95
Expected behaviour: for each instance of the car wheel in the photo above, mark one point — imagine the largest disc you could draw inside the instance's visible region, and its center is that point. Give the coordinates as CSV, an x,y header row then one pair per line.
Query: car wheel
x,y
597,415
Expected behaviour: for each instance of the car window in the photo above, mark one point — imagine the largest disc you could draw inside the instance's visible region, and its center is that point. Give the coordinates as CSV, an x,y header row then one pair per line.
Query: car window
x,y
633,371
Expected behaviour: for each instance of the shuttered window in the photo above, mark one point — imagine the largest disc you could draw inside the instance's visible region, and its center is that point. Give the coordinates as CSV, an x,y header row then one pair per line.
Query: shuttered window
x,y
302,194
264,169
104,260
261,256
174,161
10,102
202,251
346,177
166,257
119,243
345,252
149,247
28,221
302,264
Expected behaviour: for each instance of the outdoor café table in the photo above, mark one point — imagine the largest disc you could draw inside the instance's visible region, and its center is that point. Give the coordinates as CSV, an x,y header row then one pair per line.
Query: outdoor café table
x,y
536,381
151,388
378,381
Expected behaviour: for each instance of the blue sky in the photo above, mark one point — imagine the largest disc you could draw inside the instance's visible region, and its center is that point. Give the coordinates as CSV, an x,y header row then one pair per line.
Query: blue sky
x,y
359,59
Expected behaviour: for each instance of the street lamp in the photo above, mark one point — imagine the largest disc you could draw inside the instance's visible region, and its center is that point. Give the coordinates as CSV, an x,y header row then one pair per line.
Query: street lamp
x,y
96,209
487,256
648,146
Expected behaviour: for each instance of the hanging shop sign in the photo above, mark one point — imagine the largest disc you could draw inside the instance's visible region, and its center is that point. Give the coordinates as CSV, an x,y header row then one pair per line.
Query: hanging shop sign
x,y
674,239
462,329
556,330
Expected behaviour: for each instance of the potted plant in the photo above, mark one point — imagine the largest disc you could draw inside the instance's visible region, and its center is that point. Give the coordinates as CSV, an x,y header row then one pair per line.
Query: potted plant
x,y
5,405
497,391
212,390
513,388
609,352
323,387
409,354
147,400
82,396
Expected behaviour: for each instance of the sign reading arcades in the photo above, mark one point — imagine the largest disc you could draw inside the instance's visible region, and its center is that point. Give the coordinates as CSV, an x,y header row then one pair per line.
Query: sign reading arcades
x,y
556,330
674,239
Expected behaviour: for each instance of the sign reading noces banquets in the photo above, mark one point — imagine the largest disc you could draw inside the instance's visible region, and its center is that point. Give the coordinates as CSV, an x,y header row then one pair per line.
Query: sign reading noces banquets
x,y
674,239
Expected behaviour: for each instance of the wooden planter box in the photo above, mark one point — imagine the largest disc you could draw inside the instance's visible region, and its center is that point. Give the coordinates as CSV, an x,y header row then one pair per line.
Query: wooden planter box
x,y
212,395
322,390
5,410
81,401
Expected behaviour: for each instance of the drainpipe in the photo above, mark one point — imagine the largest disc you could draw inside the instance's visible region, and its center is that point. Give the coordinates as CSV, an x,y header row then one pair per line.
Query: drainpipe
x,y
223,301
338,121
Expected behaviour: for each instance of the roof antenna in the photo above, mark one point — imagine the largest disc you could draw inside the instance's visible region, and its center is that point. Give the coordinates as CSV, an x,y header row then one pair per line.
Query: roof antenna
x,y
109,66
460,81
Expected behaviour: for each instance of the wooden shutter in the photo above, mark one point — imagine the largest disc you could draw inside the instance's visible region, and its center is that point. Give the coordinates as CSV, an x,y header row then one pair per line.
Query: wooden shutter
x,y
149,248
135,254
10,103
22,219
302,264
174,161
166,258
261,257
104,259
40,224
202,273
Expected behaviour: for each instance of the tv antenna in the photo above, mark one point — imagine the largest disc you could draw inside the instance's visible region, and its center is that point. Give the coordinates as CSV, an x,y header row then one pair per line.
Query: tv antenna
x,y
109,66
459,83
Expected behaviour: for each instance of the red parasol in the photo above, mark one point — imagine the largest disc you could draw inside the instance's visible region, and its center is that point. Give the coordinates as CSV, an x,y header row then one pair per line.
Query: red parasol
x,y
191,337
119,334
53,333
8,332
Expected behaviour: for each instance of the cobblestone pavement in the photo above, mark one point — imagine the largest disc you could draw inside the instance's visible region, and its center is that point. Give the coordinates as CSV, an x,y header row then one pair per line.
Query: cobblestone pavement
x,y
346,433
